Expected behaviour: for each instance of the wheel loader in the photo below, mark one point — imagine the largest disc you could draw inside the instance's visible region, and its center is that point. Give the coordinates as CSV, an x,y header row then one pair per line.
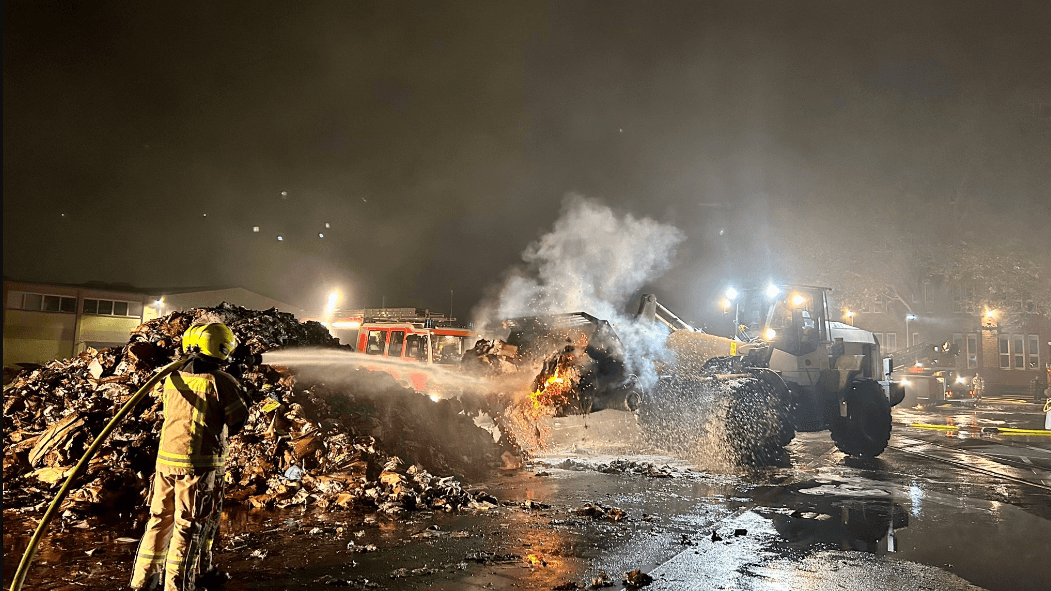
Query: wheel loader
x,y
787,368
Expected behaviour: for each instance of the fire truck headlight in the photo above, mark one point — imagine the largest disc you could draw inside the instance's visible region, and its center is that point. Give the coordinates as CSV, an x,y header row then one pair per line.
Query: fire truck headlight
x,y
906,383
770,334
961,380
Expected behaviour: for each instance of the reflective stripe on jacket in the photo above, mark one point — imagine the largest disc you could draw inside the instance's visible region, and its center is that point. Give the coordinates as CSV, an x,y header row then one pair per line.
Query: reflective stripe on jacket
x,y
199,410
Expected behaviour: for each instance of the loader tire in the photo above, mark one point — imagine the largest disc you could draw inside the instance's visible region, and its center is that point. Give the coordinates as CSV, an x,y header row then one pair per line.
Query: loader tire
x,y
758,423
865,431
670,413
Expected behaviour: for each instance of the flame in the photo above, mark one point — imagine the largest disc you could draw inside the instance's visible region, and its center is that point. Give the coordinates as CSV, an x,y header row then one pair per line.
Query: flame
x,y
536,560
554,391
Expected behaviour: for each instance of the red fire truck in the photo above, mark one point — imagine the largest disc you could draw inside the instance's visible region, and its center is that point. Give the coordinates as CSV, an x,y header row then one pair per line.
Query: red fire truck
x,y
409,336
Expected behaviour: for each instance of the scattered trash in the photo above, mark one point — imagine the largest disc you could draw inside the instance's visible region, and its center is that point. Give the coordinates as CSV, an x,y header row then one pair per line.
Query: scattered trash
x,y
600,581
636,579
597,511
360,440
740,532
716,537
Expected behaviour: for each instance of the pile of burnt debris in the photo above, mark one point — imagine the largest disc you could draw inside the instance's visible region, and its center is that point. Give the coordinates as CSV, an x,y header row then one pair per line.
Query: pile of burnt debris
x,y
359,440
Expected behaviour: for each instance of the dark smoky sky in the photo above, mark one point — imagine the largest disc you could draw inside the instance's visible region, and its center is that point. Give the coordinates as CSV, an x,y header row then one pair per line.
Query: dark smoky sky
x,y
143,142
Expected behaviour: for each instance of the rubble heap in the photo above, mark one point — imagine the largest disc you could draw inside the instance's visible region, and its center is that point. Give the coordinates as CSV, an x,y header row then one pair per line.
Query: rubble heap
x,y
360,440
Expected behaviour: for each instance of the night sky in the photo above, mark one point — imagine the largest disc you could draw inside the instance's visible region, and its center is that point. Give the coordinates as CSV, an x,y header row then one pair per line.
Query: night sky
x,y
431,143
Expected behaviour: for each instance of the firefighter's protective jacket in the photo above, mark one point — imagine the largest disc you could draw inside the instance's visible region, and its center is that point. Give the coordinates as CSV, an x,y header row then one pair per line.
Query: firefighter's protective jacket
x,y
200,411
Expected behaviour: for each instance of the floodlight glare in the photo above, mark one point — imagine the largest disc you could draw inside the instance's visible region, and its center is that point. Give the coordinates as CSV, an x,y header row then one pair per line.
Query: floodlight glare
x,y
772,291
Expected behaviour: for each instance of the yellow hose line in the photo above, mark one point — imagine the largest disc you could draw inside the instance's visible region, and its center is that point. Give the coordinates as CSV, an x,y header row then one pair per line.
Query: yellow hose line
x,y
27,558
999,430
1006,431
934,427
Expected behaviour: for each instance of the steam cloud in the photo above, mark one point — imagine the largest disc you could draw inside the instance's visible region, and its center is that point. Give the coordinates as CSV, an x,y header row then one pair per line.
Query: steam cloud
x,y
592,261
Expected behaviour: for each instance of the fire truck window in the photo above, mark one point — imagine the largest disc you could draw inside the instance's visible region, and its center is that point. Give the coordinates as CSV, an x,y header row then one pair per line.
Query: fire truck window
x,y
416,347
377,338
397,342
448,349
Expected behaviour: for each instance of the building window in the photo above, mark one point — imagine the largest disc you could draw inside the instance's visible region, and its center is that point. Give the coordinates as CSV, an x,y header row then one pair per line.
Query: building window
x,y
972,351
878,305
928,292
879,339
892,341
1034,351
915,339
1013,352
963,299
39,302
112,308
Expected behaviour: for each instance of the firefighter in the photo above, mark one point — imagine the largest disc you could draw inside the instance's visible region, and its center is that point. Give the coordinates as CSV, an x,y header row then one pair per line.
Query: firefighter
x,y
202,407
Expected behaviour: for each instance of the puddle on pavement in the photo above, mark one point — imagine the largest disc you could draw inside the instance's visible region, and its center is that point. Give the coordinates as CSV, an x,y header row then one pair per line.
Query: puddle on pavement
x,y
991,544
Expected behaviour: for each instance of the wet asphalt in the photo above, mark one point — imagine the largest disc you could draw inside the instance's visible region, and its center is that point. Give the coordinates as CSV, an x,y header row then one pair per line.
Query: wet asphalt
x,y
938,510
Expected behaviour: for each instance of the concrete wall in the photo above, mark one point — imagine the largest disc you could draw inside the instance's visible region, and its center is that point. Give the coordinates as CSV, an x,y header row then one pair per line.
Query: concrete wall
x,y
104,331
37,337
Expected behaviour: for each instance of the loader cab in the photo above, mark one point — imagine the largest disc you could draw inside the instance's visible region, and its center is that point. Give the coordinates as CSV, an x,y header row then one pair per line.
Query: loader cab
x,y
792,318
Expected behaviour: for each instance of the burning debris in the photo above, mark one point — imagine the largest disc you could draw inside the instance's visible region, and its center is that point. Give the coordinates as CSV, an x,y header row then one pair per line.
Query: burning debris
x,y
361,439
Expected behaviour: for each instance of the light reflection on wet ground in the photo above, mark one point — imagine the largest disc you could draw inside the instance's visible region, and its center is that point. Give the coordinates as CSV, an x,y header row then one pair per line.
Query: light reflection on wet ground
x,y
900,509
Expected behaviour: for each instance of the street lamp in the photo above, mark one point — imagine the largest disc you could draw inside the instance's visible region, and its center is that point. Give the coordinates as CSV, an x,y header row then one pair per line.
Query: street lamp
x,y
330,308
850,317
908,335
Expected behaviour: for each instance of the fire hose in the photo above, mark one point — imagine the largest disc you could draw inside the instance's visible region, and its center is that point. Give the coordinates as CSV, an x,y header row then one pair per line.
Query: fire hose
x,y
27,558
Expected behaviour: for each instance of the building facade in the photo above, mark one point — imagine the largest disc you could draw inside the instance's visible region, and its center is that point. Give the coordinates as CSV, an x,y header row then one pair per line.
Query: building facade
x,y
44,321
1009,348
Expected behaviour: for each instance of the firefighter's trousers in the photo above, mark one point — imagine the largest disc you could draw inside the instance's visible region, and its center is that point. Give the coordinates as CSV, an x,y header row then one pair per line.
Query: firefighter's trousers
x,y
184,520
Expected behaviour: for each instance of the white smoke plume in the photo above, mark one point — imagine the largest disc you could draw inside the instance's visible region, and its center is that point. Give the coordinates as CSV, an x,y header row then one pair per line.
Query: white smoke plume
x,y
593,260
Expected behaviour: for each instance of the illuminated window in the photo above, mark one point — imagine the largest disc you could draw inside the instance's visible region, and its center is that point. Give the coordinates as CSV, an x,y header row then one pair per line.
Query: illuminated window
x,y
1013,353
376,342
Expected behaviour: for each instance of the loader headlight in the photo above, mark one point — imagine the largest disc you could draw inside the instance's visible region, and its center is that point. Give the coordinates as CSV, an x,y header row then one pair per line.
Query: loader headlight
x,y
906,382
770,334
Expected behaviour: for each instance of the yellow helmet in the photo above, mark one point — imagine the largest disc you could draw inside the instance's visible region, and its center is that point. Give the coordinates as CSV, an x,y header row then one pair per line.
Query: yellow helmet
x,y
214,340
